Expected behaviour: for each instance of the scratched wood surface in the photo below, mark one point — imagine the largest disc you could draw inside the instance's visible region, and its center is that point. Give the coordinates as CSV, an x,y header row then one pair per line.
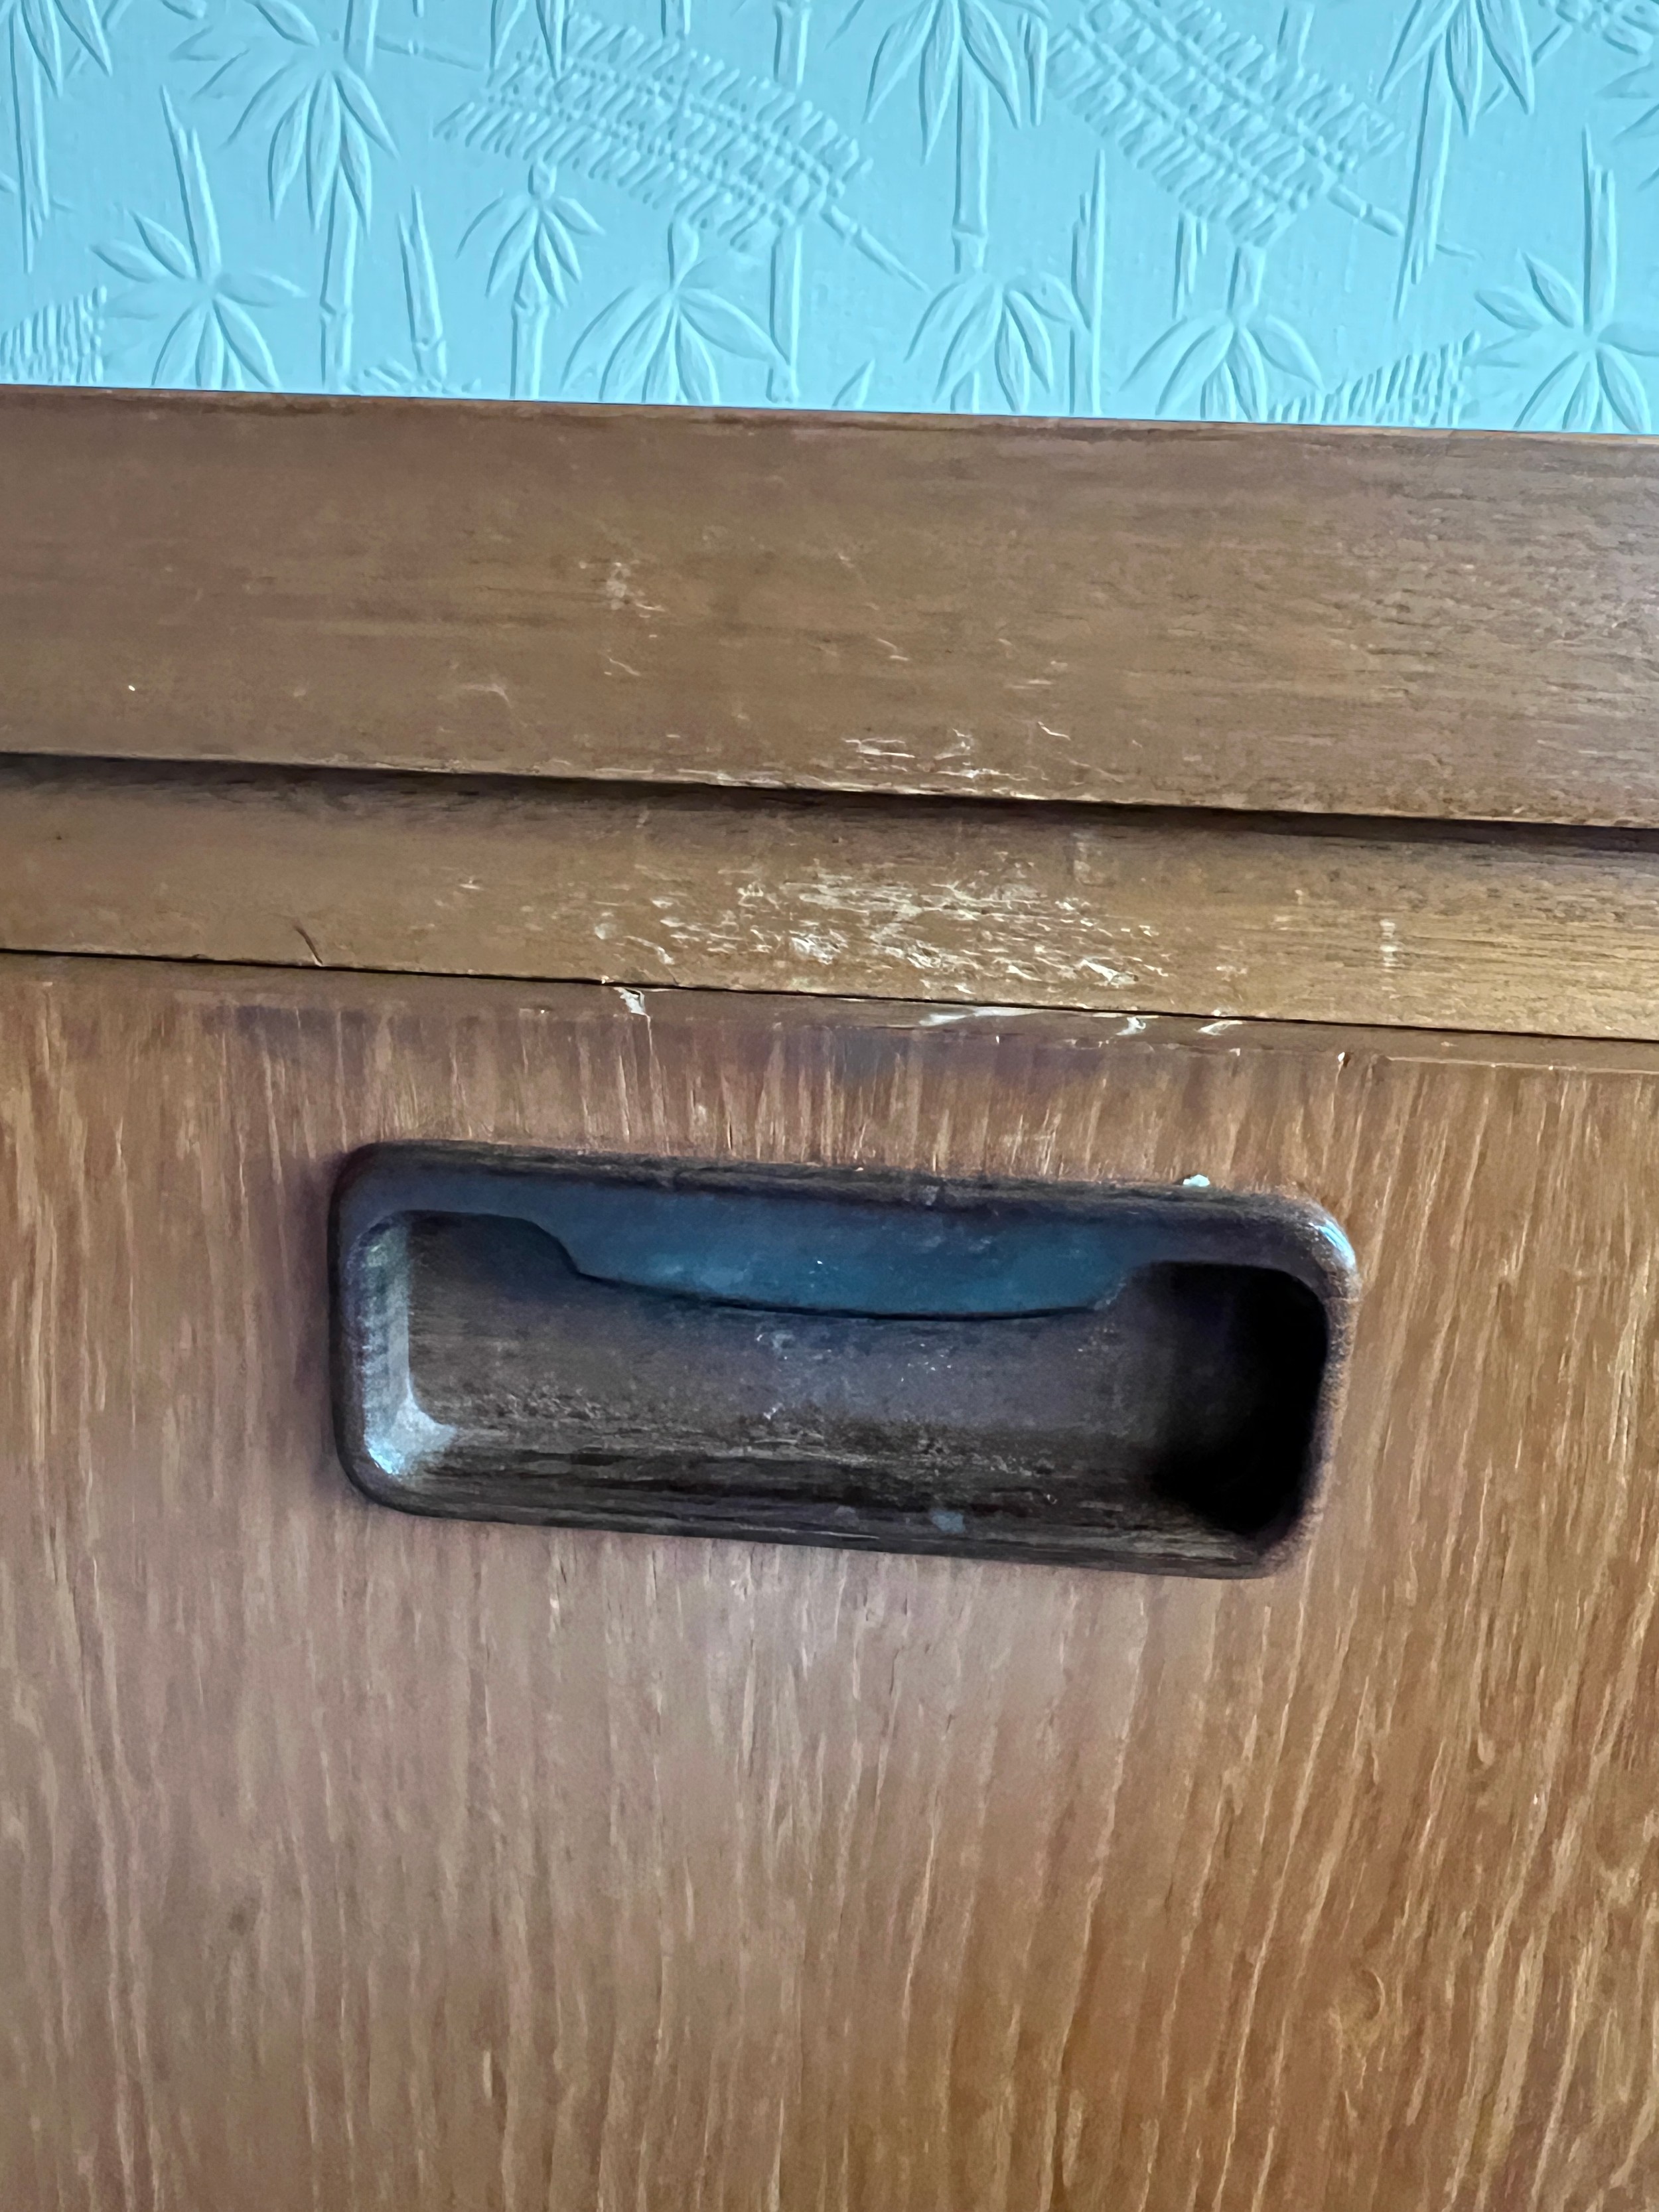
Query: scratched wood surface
x,y
1217,915
354,1861
1240,615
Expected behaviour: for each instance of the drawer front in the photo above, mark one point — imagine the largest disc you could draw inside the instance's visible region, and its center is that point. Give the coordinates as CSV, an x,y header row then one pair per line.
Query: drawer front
x,y
354,1859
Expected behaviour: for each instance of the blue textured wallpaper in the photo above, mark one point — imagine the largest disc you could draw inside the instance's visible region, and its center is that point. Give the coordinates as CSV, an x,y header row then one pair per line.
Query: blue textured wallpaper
x,y
1428,211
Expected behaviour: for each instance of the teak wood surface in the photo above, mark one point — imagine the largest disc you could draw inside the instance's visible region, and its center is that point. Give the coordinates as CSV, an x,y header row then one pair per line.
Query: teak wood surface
x,y
1427,925
1386,622
350,1860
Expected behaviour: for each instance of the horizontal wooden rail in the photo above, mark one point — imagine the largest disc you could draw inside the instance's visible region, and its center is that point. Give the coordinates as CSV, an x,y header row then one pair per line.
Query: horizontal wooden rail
x,y
1237,616
1218,916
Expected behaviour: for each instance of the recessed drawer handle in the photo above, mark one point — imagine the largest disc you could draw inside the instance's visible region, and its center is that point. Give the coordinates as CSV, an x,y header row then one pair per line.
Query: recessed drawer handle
x,y
1028,1370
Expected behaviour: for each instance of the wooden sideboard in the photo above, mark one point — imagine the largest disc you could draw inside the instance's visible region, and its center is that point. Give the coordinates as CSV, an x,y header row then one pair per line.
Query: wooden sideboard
x,y
1268,811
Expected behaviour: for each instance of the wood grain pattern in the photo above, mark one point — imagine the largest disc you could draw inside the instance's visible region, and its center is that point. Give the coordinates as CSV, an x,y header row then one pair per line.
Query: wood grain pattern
x,y
1389,623
1528,931
355,1860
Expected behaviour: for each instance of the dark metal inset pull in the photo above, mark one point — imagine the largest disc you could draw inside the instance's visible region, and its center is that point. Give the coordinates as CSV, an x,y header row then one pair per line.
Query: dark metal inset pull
x,y
1020,1370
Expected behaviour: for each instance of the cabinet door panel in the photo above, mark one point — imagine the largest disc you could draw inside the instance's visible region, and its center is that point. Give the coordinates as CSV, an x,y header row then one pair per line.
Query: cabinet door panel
x,y
351,1859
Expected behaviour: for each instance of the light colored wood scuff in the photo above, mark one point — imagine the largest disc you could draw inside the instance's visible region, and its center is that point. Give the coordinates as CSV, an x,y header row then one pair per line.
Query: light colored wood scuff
x,y
354,1861
1081,907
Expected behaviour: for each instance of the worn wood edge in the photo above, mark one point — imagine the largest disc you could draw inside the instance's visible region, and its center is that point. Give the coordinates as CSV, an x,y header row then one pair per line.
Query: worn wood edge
x,y
297,991
958,903
1280,618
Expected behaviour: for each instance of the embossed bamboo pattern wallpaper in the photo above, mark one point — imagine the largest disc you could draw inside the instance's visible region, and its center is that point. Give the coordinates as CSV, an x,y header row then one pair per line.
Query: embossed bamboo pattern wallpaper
x,y
1426,211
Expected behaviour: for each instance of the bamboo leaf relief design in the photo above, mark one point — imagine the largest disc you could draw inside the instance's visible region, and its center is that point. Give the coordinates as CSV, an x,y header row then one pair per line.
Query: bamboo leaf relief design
x,y
308,96
1640,87
1035,46
792,26
38,36
1223,363
978,325
1579,356
659,343
428,373
531,237
1088,336
1465,31
1238,132
425,321
552,19
212,339
1627,25
943,41
534,233
308,91
1148,153
1454,41
45,24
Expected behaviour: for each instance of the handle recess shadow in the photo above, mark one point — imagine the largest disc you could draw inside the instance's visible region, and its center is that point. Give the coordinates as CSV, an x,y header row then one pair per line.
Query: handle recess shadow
x,y
1072,1374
